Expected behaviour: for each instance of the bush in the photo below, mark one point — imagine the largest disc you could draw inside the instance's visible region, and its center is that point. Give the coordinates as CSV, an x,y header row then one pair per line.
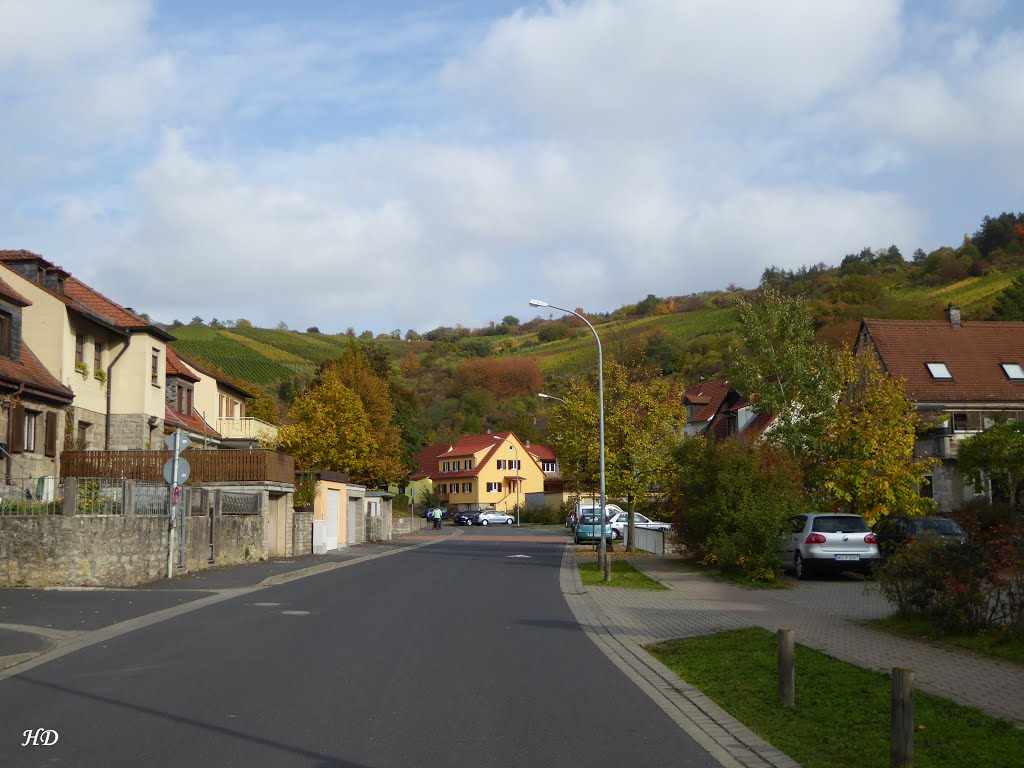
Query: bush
x,y
545,515
731,499
965,588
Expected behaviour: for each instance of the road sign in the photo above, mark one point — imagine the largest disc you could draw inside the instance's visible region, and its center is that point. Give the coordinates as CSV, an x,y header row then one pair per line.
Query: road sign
x,y
177,441
183,472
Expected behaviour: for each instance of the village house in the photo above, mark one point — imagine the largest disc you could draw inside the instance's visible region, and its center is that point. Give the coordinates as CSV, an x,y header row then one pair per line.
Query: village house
x,y
489,471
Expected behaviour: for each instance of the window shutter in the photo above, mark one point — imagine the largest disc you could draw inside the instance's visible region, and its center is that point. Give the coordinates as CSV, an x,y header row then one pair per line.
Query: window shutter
x,y
18,432
50,449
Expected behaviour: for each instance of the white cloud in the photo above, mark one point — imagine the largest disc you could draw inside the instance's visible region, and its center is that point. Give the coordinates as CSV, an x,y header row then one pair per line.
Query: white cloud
x,y
661,66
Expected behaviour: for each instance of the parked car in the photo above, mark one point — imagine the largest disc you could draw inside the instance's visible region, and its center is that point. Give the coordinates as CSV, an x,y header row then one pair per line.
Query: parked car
x,y
620,522
588,528
464,518
835,542
899,531
493,517
427,513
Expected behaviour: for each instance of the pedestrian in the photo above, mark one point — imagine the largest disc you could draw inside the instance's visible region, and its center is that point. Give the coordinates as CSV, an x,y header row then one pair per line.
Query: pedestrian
x,y
437,518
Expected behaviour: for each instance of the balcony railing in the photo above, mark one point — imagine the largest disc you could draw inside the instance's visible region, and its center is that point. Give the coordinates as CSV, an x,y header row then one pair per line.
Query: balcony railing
x,y
246,429
259,466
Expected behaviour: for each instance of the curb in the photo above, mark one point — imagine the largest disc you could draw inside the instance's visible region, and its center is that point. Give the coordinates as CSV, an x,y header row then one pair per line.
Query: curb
x,y
725,738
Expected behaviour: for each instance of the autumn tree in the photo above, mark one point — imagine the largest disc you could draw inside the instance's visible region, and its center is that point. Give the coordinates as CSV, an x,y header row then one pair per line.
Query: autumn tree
x,y
869,465
504,377
329,430
642,424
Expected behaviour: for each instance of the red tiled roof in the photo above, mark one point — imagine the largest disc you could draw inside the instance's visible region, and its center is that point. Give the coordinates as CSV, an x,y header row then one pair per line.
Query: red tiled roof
x,y
93,300
709,394
177,367
173,420
543,452
470,445
12,295
973,354
426,461
37,380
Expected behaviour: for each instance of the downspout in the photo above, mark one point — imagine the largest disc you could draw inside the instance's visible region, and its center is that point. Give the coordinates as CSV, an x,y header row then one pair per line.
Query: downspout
x,y
110,384
10,431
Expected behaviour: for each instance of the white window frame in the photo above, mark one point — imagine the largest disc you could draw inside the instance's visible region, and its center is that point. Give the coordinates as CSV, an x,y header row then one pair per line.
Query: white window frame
x,y
939,371
1013,371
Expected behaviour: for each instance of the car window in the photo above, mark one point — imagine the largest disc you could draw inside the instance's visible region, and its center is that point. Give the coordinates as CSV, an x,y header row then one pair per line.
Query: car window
x,y
937,525
641,519
796,524
839,524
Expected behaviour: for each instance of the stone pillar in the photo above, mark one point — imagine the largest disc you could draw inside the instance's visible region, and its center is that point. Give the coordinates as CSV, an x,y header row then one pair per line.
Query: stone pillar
x,y
69,504
127,497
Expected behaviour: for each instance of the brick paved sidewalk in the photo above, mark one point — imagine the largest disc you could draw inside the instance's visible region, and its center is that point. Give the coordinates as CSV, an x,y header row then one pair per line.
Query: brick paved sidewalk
x,y
823,615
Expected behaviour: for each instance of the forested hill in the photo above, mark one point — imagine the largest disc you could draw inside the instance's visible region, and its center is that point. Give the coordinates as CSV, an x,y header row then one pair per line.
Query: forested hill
x,y
456,380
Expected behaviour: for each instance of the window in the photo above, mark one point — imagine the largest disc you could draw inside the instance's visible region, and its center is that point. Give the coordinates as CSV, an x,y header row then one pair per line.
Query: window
x,y
154,368
467,464
79,348
5,333
29,434
501,463
83,436
514,464
1013,371
549,466
959,422
939,371
467,487
444,467
494,487
97,356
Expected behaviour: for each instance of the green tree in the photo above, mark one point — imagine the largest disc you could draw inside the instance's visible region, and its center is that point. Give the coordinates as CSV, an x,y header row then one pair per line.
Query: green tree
x,y
998,455
785,372
869,467
1010,304
329,430
642,424
262,406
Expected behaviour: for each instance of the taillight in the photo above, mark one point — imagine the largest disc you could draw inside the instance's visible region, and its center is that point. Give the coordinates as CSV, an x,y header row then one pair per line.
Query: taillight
x,y
815,538
870,539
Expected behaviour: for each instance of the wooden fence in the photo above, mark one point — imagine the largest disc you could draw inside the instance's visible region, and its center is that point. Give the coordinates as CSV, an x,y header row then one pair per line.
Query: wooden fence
x,y
258,466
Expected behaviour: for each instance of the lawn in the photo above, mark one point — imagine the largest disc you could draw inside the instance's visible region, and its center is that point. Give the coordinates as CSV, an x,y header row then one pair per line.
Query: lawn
x,y
998,646
624,576
842,714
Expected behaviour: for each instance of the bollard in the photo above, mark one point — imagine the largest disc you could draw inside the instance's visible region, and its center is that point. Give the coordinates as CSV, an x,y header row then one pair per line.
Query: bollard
x,y
787,668
902,752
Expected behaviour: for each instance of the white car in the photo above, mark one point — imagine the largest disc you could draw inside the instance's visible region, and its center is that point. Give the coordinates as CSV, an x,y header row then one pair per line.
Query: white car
x,y
620,522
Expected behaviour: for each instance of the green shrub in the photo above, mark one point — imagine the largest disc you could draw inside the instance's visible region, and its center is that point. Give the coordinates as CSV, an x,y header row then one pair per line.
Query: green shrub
x,y
731,499
545,515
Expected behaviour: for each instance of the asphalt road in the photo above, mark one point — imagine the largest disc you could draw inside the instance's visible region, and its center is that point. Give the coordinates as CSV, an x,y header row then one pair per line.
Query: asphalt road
x,y
461,653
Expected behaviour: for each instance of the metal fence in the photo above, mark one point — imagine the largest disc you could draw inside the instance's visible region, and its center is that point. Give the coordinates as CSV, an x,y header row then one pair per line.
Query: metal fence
x,y
31,496
233,503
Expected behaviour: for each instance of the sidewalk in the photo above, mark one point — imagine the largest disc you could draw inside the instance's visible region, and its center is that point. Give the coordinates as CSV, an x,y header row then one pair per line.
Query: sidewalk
x,y
824,615
35,621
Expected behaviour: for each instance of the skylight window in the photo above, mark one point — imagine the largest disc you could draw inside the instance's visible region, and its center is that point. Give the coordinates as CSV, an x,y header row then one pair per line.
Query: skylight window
x,y
939,371
1013,371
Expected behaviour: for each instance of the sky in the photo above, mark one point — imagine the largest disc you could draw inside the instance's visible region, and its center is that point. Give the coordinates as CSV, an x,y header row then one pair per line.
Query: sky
x,y
393,164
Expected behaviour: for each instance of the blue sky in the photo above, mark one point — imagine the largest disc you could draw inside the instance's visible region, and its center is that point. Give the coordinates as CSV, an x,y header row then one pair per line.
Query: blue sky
x,y
398,164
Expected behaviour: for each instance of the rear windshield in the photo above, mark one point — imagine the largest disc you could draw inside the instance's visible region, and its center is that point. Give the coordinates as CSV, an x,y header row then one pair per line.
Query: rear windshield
x,y
839,524
939,525
589,519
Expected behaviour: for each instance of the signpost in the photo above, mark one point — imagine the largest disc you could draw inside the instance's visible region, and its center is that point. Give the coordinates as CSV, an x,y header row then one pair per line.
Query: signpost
x,y
412,506
176,472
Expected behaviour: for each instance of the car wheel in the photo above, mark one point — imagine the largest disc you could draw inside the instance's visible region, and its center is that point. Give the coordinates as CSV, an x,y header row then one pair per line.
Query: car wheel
x,y
483,522
615,534
799,569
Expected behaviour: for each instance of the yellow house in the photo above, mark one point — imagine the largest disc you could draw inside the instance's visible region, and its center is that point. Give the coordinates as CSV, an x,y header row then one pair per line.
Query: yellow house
x,y
492,471
110,357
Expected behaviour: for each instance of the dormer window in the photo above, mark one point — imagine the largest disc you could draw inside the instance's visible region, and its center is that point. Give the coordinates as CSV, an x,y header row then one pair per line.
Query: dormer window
x,y
1013,371
939,371
5,334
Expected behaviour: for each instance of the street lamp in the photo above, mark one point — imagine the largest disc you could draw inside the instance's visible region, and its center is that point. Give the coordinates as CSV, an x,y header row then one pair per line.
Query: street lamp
x,y
602,550
512,447
551,397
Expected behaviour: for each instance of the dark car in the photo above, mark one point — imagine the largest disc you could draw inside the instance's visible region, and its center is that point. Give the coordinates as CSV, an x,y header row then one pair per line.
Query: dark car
x,y
464,518
896,532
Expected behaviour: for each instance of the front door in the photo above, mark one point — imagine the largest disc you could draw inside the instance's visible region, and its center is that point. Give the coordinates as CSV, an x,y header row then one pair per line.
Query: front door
x,y
333,513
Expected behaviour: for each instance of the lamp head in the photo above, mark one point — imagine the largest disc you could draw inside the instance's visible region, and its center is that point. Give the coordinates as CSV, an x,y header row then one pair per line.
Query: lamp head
x,y
538,303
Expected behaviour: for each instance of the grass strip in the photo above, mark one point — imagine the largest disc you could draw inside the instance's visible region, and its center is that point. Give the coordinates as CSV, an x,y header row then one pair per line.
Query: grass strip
x,y
994,644
624,576
843,712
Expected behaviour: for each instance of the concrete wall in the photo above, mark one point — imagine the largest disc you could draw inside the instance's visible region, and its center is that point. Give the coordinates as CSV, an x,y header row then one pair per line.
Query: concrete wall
x,y
402,525
302,532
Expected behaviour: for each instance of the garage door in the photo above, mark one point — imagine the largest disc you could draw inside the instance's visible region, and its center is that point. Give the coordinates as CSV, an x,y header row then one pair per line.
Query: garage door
x,y
333,513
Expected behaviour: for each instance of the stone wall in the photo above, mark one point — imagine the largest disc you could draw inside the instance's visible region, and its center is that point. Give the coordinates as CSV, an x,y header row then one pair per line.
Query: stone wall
x,y
402,525
82,550
302,532
238,539
132,431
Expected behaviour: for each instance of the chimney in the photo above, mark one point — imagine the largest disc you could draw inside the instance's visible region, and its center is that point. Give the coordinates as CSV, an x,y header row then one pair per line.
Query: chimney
x,y
527,445
953,315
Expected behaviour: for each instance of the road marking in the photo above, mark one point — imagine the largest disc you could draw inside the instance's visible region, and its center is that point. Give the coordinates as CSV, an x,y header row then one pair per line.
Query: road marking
x,y
264,605
526,556
295,613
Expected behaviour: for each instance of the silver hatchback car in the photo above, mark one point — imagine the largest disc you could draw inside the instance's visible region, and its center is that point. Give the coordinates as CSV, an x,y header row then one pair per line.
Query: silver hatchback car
x,y
835,542
492,517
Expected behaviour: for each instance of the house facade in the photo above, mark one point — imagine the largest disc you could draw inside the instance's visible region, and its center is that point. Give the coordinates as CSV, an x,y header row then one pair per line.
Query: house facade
x,y
490,471
33,408
112,359
962,376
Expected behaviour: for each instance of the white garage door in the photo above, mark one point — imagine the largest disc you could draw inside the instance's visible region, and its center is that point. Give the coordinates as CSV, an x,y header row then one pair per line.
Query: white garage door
x,y
333,513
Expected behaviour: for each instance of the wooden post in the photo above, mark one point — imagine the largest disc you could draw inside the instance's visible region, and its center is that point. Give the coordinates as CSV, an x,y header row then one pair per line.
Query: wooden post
x,y
787,669
902,752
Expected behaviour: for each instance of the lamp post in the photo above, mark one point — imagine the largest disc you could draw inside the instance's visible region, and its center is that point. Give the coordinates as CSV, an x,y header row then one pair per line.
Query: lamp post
x,y
512,447
602,551
551,397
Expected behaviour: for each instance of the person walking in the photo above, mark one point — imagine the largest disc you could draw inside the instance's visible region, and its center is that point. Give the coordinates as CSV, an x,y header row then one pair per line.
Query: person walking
x,y
437,518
